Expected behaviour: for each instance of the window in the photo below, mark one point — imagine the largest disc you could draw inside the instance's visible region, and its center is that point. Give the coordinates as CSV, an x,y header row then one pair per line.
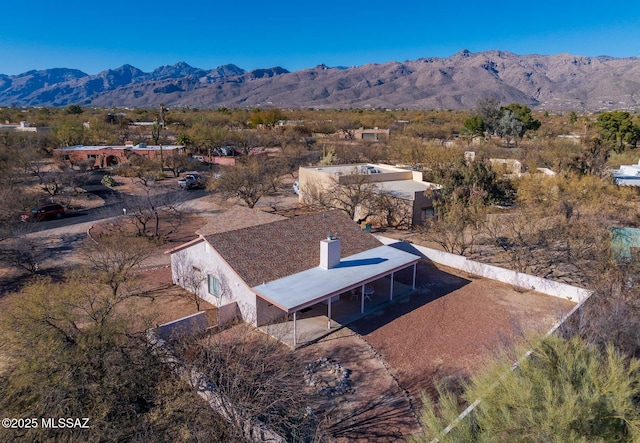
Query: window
x,y
426,213
214,286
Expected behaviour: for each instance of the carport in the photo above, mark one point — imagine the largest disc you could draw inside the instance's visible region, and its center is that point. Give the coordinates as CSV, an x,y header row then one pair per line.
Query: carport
x,y
354,273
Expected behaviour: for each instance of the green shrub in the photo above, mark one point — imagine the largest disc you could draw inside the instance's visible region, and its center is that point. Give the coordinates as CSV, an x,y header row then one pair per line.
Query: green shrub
x,y
109,181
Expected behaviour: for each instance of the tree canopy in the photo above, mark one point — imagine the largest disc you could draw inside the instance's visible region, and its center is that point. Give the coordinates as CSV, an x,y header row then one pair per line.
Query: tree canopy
x,y
617,129
463,181
564,391
513,120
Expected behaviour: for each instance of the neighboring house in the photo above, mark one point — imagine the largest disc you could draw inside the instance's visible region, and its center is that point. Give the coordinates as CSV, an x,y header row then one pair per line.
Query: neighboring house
x,y
570,137
374,134
627,175
507,166
272,267
229,156
105,156
404,185
23,127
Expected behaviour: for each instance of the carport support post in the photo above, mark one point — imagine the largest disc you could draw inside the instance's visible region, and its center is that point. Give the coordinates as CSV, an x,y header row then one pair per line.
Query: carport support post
x,y
391,291
415,266
295,332
329,313
362,299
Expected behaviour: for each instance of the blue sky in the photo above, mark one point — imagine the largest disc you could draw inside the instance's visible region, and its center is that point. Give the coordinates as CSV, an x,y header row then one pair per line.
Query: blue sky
x,y
94,36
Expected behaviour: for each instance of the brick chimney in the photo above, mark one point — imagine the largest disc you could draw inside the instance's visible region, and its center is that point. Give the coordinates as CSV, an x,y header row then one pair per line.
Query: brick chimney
x,y
329,252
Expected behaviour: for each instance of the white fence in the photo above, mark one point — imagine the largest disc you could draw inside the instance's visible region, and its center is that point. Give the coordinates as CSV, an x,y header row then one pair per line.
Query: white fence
x,y
518,279
526,281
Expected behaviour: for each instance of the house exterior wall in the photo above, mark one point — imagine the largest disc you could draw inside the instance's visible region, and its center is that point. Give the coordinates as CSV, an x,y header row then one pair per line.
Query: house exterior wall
x,y
225,161
382,177
209,262
518,279
96,157
420,203
313,177
104,156
371,134
317,180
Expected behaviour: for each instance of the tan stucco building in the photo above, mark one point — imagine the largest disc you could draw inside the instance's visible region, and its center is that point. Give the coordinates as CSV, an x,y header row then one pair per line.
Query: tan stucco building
x,y
400,183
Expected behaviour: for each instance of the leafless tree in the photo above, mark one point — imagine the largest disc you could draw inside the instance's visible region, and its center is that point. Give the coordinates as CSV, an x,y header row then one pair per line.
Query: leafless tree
x,y
177,162
262,377
57,360
188,276
525,239
115,258
353,194
393,211
249,181
23,252
156,214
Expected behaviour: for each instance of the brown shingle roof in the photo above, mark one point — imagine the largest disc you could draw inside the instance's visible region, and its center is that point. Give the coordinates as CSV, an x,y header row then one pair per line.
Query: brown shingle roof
x,y
238,217
264,253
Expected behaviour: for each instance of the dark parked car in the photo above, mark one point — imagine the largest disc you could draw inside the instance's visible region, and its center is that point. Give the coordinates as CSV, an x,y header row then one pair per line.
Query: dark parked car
x,y
44,212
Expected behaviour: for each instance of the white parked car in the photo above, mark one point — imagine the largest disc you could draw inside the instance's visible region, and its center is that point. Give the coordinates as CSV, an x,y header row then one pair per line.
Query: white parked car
x,y
368,170
192,181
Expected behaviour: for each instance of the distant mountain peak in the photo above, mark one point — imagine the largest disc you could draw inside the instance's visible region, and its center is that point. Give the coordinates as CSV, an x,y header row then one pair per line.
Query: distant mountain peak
x,y
561,81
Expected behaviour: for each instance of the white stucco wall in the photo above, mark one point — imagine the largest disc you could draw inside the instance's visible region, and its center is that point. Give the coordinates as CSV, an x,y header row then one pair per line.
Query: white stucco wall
x,y
205,258
519,279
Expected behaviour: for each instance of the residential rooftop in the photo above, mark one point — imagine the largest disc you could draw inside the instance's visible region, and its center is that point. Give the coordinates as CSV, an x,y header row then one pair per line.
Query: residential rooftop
x,y
237,217
271,251
138,147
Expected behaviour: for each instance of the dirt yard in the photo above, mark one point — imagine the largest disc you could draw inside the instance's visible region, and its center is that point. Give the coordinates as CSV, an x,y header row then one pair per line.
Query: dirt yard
x,y
378,409
453,325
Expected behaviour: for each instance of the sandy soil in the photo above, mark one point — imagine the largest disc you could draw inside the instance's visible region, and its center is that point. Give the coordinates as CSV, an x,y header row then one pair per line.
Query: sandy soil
x,y
453,325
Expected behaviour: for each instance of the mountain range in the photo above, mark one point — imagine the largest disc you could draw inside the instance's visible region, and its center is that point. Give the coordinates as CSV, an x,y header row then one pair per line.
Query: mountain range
x,y
553,82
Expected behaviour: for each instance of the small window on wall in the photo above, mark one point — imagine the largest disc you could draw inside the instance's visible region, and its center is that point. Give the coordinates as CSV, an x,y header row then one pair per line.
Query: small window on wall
x,y
426,213
214,286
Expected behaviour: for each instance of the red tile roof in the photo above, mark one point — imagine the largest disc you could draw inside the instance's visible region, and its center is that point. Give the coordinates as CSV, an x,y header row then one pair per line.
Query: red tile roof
x,y
267,252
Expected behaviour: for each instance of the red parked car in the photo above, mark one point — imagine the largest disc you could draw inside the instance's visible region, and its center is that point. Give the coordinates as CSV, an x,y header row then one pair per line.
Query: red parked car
x,y
44,212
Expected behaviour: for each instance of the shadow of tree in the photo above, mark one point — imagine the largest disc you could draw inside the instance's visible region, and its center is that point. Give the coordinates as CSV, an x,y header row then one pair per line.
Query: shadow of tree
x,y
382,419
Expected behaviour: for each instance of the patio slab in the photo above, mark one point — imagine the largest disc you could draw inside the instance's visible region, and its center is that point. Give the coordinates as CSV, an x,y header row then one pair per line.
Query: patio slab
x,y
312,323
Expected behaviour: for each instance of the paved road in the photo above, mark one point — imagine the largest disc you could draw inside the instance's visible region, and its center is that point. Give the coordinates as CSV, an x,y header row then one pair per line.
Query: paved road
x,y
114,203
